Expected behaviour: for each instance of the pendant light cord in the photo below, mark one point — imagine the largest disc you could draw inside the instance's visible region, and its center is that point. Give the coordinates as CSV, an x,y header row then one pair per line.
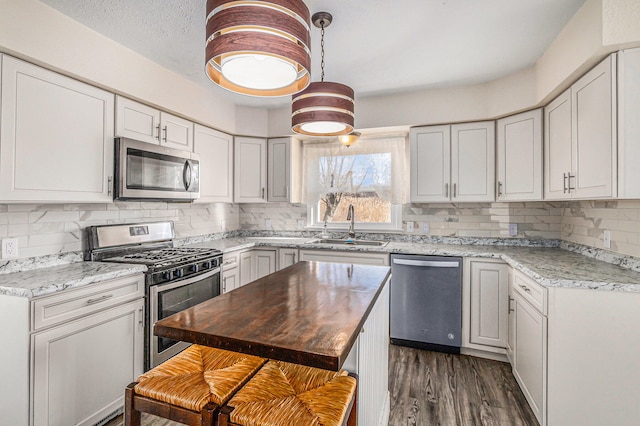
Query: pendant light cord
x,y
322,50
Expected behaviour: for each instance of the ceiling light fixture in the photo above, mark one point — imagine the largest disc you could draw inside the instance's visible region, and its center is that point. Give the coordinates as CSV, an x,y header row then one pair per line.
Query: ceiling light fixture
x,y
323,108
258,48
350,139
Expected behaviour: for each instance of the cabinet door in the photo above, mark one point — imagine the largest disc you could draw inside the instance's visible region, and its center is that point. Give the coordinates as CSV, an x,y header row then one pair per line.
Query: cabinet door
x,y
246,267
176,132
489,292
519,147
473,161
594,132
56,139
264,263
216,164
230,279
531,354
430,163
287,257
137,121
81,368
250,170
357,258
279,169
557,147
628,123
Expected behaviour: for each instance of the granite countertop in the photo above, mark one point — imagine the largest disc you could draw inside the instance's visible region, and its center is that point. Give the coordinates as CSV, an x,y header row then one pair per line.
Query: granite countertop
x,y
549,266
43,281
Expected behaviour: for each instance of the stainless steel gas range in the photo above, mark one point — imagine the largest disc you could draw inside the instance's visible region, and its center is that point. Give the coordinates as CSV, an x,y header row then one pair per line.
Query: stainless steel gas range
x,y
176,278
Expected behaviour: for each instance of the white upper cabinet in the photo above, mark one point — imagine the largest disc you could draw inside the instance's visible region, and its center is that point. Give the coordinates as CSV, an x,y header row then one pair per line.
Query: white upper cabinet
x,y
216,164
56,137
587,167
250,170
629,123
144,123
453,163
283,170
473,151
430,163
519,144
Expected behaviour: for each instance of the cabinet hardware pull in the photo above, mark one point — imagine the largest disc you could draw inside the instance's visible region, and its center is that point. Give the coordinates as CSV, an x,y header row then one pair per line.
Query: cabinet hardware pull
x,y
99,299
525,288
499,189
263,193
141,320
165,134
446,190
158,132
564,183
109,184
224,285
569,177
509,306
455,185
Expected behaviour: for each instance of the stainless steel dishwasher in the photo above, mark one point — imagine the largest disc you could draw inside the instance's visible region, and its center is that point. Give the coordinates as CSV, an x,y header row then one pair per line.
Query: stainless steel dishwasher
x,y
426,302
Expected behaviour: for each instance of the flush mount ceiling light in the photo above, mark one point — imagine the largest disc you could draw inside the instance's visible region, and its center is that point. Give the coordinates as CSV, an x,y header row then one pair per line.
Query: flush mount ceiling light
x,y
323,108
350,139
258,48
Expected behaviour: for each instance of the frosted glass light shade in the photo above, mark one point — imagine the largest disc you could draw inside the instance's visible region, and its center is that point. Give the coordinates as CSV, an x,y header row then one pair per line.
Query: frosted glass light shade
x,y
323,109
258,48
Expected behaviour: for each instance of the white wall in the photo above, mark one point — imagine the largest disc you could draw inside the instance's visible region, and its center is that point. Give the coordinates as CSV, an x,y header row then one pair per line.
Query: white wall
x,y
37,33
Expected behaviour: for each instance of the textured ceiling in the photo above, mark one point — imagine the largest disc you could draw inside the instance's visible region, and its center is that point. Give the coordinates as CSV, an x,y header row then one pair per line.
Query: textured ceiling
x,y
375,46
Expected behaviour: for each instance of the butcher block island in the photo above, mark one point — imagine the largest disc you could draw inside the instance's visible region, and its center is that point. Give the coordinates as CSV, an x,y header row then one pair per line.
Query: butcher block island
x,y
325,315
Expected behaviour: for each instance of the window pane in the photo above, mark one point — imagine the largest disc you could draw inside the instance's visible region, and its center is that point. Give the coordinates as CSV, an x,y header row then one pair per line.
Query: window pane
x,y
368,208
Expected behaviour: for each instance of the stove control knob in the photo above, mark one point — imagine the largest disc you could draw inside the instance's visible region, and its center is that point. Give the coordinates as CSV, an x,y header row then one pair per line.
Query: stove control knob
x,y
166,275
207,264
194,268
177,273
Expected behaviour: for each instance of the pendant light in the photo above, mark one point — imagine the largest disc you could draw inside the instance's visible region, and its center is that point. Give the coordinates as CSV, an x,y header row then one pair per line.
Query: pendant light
x,y
323,108
258,48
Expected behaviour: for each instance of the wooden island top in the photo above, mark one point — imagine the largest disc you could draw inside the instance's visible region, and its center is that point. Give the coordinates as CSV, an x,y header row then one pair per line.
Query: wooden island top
x,y
309,313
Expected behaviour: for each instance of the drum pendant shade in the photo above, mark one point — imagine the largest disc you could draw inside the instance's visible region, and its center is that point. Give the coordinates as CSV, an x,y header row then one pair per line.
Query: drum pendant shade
x,y
258,48
323,108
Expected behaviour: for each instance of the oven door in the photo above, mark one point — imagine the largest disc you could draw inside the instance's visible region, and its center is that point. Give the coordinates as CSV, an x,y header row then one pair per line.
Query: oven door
x,y
173,297
145,171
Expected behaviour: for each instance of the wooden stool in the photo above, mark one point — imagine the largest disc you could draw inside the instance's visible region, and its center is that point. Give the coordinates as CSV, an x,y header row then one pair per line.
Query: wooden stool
x,y
189,387
282,393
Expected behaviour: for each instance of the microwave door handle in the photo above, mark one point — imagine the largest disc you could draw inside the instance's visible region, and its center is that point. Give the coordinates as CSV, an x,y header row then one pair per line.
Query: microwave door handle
x,y
186,174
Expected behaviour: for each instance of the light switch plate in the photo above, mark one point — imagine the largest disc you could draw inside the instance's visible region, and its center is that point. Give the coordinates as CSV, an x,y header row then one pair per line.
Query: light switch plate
x,y
267,224
410,226
9,248
513,229
607,239
300,223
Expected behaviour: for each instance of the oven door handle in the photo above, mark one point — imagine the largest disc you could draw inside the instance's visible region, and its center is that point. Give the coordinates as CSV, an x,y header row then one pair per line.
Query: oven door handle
x,y
189,280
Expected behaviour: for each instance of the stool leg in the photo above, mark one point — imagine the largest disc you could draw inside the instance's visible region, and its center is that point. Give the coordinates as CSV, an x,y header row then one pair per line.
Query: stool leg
x,y
208,415
224,416
131,415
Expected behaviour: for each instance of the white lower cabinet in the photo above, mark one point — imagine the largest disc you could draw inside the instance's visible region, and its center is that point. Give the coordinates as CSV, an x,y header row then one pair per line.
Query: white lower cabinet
x,y
256,263
369,359
230,272
80,368
360,258
287,257
485,305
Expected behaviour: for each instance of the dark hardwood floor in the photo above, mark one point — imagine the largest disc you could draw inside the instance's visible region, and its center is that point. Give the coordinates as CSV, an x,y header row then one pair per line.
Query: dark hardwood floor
x,y
433,388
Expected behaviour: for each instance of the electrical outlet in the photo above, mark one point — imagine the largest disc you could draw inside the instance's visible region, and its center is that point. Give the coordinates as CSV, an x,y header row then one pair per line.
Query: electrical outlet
x,y
300,223
410,226
425,227
513,229
267,224
223,224
607,239
9,248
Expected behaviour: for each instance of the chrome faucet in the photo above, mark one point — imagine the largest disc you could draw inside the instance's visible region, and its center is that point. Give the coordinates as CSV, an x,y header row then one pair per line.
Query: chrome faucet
x,y
352,217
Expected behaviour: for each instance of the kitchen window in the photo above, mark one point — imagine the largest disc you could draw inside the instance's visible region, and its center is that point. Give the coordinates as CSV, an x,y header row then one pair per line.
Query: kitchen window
x,y
369,174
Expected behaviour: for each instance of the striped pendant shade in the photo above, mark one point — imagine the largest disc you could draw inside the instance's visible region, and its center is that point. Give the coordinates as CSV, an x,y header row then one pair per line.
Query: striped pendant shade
x,y
258,48
323,109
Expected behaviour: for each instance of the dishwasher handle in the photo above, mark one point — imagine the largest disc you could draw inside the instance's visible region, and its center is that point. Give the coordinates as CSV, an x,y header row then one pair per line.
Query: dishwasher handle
x,y
427,263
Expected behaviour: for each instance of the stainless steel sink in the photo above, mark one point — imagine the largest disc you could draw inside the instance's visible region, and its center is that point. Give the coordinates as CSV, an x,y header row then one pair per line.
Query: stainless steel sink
x,y
349,242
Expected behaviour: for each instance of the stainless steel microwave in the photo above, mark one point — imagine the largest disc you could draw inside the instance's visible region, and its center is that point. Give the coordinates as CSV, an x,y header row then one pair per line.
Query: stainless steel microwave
x,y
145,171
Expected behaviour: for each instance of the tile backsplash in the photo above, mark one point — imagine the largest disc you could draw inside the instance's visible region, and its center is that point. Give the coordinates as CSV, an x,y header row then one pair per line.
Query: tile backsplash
x,y
45,229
